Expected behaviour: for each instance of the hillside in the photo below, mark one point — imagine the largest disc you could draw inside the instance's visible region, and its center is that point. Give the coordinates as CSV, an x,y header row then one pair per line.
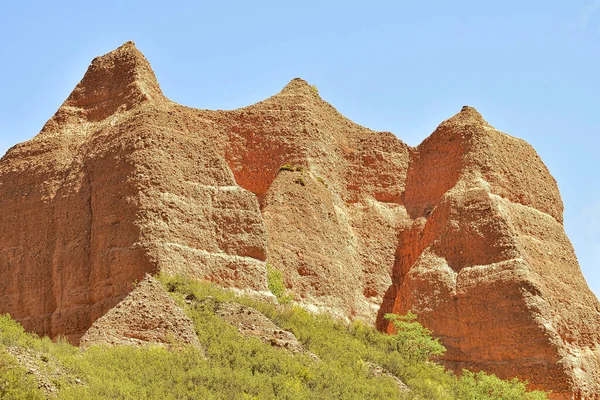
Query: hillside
x,y
245,349
465,230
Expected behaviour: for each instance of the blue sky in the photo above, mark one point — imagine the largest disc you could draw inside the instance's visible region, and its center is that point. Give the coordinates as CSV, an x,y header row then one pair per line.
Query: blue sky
x,y
530,67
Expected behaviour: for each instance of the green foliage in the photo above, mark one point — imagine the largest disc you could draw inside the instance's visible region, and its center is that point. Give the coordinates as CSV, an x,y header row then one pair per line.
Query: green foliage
x,y
276,284
347,348
12,334
413,338
263,372
292,168
15,382
322,181
480,385
287,167
231,366
150,372
314,87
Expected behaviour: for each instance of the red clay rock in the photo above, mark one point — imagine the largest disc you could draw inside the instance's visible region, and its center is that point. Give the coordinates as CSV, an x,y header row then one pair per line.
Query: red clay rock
x,y
465,230
486,263
114,188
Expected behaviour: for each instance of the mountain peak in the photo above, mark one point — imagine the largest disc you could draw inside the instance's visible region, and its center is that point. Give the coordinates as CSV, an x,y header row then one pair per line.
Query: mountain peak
x,y
299,87
117,81
469,115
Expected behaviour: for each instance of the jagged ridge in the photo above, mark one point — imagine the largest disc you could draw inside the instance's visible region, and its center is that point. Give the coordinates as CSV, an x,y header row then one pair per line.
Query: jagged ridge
x,y
466,229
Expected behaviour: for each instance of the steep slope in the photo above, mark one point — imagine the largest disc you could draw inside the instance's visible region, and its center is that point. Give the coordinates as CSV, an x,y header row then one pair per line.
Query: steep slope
x,y
112,189
465,230
487,265
333,221
147,315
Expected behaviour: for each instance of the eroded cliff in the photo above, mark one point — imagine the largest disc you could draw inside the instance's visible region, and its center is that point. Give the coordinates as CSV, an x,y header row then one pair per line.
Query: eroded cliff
x,y
465,229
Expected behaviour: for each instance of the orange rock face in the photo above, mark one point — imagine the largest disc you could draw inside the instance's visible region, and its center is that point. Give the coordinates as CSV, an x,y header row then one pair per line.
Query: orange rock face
x,y
486,263
118,184
465,230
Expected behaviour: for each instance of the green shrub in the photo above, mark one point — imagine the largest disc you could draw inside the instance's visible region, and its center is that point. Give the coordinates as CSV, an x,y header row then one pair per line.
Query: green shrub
x,y
344,349
287,167
15,382
413,339
314,87
12,333
291,168
260,371
276,284
231,366
479,385
322,181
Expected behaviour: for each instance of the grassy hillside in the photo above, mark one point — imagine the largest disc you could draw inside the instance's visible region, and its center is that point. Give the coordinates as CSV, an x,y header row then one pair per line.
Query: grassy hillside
x,y
232,366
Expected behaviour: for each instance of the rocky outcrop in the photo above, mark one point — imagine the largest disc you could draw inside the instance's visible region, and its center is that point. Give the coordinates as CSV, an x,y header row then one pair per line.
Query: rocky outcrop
x,y
114,188
465,229
253,324
147,315
486,263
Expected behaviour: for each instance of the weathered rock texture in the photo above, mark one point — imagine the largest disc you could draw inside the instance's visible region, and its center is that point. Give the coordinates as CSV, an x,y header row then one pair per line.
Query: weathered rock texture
x,y
252,323
119,183
147,315
486,263
466,229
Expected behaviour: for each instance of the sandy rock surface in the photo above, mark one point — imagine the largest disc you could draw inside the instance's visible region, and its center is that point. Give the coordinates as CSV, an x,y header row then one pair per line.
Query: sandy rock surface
x,y
466,229
147,315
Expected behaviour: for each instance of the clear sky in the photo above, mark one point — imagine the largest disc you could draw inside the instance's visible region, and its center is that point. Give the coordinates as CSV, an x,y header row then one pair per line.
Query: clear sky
x,y
532,68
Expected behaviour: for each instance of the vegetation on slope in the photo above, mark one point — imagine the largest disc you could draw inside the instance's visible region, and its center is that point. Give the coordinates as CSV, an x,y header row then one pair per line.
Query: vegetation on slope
x,y
15,382
236,367
276,285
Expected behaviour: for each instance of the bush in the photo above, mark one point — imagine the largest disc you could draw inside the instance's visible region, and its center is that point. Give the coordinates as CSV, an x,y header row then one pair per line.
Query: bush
x,y
12,334
345,349
413,339
291,168
286,167
15,382
322,181
276,284
231,366
260,371
479,385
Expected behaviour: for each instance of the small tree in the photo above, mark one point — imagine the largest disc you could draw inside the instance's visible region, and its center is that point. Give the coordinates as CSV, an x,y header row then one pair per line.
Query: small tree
x,y
413,340
276,284
483,386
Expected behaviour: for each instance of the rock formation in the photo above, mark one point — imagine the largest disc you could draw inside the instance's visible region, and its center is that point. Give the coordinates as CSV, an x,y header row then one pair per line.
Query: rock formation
x,y
252,323
486,263
147,315
465,229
